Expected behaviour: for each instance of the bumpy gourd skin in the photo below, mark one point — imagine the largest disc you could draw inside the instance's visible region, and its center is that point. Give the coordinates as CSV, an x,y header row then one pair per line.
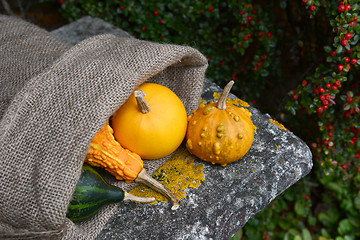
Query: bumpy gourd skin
x,y
219,136
106,152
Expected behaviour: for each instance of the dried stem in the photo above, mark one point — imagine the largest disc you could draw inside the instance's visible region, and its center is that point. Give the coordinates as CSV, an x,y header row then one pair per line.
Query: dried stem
x,y
222,100
131,197
144,178
143,106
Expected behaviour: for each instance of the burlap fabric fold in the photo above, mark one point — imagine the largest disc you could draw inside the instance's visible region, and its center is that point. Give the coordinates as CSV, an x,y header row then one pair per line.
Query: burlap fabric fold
x,y
53,99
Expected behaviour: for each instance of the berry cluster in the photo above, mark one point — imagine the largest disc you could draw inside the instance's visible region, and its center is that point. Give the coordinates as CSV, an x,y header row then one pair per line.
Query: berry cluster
x,y
333,94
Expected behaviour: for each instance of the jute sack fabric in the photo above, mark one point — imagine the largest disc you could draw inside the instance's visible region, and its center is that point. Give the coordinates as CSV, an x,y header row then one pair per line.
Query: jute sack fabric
x,y
53,99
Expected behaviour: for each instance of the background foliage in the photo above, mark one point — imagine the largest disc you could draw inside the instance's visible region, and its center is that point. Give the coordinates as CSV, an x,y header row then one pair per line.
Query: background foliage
x,y
297,60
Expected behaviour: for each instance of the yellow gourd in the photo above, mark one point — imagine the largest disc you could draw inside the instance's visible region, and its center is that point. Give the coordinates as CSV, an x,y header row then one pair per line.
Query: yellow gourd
x,y
152,122
220,133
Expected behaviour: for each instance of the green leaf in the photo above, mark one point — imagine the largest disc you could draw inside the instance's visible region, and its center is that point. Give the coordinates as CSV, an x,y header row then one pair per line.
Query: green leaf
x,y
327,49
357,202
336,187
283,4
345,226
339,49
306,234
300,208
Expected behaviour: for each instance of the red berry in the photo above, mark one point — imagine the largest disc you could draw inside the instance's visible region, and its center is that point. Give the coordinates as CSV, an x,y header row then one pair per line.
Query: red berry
x,y
222,63
249,18
306,197
330,127
260,34
353,61
61,1
156,12
347,59
312,7
322,90
347,114
327,97
122,8
348,7
333,53
295,97
325,102
328,85
161,21
143,28
258,64
349,99
322,97
319,110
340,67
348,36
337,82
349,51
341,8
305,1
210,8
316,91
269,34
343,166
344,42
330,134
325,107
334,87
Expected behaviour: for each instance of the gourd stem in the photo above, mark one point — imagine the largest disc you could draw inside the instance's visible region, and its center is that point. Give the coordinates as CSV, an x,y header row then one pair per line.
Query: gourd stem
x,y
131,197
222,100
144,178
143,106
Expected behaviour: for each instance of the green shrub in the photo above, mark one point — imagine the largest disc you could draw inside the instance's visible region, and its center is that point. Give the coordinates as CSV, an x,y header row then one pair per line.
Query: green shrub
x,y
303,58
241,29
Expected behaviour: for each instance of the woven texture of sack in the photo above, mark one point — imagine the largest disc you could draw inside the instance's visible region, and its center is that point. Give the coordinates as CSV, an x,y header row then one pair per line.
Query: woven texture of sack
x,y
53,99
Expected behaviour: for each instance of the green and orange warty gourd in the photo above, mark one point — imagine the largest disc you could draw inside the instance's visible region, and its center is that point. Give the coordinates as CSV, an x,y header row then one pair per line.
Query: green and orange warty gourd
x,y
220,133
152,122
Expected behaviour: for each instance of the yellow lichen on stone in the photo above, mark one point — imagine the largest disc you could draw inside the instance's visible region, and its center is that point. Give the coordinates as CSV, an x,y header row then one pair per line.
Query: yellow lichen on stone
x,y
236,101
177,174
202,101
277,124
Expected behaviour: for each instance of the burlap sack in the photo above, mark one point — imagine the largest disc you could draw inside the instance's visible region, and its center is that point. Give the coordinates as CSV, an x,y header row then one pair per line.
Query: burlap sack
x,y
54,98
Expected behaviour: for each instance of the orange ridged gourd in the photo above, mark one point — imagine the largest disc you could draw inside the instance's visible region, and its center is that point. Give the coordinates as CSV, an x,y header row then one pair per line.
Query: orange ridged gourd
x,y
220,133
123,164
107,153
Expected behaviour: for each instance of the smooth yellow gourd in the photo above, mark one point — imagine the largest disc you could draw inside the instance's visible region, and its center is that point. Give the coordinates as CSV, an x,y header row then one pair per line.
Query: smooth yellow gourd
x,y
220,133
152,122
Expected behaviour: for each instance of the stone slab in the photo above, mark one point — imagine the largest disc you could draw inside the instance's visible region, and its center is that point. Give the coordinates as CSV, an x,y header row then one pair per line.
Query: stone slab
x,y
228,197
